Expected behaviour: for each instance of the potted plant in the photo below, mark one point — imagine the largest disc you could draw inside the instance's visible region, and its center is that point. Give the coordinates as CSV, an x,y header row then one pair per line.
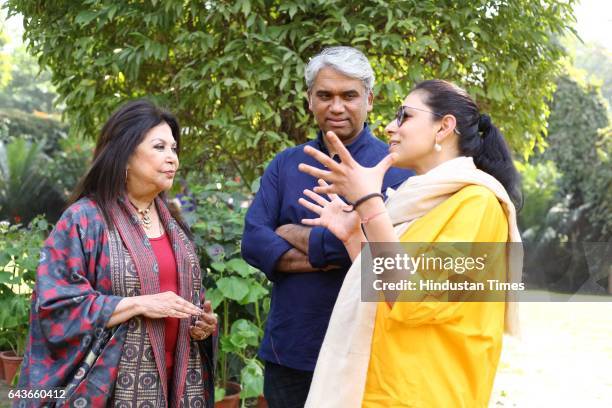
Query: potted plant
x,y
4,346
238,287
14,315
19,249
237,291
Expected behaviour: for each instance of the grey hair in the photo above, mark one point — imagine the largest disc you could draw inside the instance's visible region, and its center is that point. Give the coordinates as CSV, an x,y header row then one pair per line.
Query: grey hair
x,y
346,60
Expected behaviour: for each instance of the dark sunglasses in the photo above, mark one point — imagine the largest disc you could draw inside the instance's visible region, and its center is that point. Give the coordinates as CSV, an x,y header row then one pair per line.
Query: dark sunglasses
x,y
400,116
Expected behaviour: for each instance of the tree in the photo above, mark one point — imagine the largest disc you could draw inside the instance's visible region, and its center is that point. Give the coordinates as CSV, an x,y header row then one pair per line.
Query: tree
x,y
568,215
580,144
597,61
25,189
233,70
28,88
23,86
16,124
5,60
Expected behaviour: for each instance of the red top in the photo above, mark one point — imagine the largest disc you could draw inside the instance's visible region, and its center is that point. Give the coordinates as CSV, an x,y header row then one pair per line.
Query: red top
x,y
168,281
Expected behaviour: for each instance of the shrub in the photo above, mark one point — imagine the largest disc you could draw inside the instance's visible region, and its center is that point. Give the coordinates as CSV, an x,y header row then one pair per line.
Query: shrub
x,y
237,291
19,257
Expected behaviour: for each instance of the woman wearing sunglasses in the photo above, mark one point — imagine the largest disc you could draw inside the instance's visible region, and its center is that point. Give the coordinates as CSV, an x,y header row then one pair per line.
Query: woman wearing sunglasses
x,y
425,354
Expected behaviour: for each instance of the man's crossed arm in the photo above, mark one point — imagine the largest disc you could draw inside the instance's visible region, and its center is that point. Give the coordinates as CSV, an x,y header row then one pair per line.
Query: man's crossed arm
x,y
296,259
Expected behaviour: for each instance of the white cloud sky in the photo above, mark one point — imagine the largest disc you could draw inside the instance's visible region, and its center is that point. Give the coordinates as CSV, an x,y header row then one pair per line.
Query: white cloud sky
x,y
594,21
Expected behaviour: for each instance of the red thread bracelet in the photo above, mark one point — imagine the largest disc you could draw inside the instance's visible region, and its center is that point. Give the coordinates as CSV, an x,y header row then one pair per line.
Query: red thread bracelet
x,y
370,218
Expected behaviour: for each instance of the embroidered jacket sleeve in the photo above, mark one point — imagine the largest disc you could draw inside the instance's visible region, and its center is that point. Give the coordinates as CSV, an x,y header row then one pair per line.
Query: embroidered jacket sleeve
x,y
72,300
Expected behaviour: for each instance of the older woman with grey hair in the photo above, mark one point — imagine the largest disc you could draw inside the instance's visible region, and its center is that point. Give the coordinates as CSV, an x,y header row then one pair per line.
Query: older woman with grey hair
x,y
307,265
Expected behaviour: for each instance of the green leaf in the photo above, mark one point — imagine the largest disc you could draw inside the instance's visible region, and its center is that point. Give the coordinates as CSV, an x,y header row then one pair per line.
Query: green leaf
x,y
42,224
444,66
219,393
215,296
85,17
245,333
255,185
233,287
246,7
292,10
256,292
5,277
251,20
251,379
111,11
239,266
90,94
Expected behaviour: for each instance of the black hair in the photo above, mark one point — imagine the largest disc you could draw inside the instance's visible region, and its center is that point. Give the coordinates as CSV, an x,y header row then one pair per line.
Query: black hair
x,y
478,137
105,180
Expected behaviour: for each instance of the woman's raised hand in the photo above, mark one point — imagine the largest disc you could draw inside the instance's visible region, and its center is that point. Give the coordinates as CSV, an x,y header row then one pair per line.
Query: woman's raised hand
x,y
344,225
348,178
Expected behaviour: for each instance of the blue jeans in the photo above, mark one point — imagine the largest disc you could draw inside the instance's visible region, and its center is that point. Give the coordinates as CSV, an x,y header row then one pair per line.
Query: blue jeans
x,y
286,387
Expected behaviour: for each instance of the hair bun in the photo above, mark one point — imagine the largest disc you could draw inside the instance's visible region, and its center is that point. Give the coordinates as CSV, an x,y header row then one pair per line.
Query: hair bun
x,y
484,123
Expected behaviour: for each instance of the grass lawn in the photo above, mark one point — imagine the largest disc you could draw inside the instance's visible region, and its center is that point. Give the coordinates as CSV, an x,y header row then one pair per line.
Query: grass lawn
x,y
563,358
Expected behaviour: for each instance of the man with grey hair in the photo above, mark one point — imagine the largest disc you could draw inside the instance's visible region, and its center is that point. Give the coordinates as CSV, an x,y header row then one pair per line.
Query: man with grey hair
x,y
307,265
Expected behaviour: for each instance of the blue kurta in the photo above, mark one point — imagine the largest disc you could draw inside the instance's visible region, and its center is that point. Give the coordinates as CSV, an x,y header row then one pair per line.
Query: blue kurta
x,y
301,303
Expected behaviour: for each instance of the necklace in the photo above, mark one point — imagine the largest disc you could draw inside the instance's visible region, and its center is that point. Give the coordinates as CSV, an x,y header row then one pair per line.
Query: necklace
x,y
145,214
